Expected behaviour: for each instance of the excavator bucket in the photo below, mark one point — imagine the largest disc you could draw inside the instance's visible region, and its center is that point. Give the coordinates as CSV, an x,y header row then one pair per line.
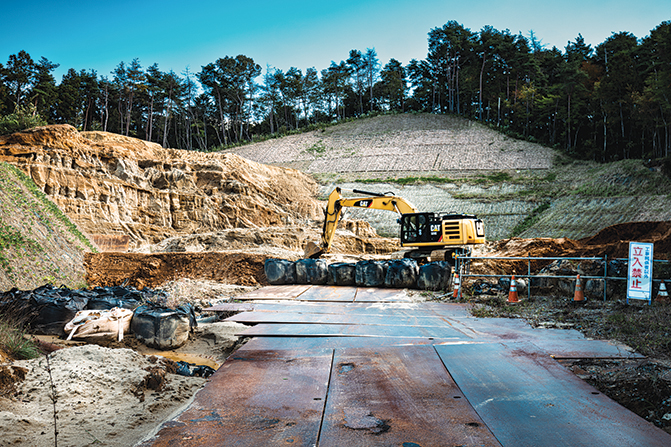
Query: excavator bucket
x,y
312,251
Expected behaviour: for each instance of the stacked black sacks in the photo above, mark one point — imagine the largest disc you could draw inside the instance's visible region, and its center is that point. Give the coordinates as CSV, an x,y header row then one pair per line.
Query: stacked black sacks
x,y
400,273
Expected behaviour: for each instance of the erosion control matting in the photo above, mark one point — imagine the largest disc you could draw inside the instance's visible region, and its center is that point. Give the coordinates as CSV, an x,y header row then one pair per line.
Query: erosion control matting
x,y
401,374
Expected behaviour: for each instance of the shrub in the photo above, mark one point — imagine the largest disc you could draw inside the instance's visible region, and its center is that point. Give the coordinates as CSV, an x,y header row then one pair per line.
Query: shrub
x,y
666,167
22,118
13,340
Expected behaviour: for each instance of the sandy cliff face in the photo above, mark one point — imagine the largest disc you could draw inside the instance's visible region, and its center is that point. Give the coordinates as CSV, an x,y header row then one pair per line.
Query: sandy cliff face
x,y
114,185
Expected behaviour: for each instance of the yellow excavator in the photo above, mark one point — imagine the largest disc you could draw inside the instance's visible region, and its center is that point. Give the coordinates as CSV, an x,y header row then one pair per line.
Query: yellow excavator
x,y
426,236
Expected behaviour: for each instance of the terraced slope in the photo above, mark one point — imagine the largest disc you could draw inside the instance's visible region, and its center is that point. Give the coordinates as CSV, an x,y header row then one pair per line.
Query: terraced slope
x,y
400,144
518,188
587,197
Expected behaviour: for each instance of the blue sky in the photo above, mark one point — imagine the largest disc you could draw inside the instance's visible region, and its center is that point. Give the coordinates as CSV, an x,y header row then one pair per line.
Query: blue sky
x,y
292,33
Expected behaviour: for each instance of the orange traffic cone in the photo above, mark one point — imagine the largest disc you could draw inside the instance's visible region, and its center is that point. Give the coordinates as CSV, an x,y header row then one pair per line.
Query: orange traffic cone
x,y
662,295
579,295
456,286
512,295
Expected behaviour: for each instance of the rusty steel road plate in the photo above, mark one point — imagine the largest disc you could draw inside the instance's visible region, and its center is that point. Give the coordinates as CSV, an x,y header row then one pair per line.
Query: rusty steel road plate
x,y
300,343
374,294
528,399
585,349
351,330
257,398
336,318
231,307
289,292
397,397
329,294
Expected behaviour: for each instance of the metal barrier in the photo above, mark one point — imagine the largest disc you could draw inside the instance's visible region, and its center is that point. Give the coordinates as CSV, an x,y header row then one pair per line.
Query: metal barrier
x,y
462,262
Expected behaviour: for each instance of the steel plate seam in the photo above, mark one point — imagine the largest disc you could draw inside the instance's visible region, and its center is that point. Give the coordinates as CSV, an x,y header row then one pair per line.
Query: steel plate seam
x,y
326,398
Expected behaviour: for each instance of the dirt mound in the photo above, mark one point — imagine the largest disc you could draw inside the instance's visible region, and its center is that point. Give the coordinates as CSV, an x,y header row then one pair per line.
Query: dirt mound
x,y
537,247
102,396
59,136
114,185
614,240
353,237
230,256
517,247
142,270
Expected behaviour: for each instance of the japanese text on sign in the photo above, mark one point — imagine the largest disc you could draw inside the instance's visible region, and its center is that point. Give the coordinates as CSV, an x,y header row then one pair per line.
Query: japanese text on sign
x,y
639,280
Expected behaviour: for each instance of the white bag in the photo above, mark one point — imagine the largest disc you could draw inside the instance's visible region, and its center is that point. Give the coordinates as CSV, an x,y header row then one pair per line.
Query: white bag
x,y
110,323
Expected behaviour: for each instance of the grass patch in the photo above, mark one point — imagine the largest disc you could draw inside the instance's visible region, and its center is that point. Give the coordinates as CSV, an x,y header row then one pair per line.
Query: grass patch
x,y
13,334
48,205
13,341
316,150
10,238
409,180
643,327
530,220
550,177
497,177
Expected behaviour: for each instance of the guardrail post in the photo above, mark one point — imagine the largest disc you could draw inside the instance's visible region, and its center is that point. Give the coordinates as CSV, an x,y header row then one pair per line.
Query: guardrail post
x,y
529,278
605,277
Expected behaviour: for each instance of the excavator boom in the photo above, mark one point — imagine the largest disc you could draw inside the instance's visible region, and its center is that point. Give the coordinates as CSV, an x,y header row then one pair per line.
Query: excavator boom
x,y
337,202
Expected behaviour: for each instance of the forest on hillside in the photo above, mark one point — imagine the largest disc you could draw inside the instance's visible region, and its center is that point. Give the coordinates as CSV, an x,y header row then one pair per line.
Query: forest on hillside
x,y
605,103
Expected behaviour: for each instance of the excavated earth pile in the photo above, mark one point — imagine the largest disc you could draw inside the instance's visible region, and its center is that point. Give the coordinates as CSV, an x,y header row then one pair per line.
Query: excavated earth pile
x,y
143,270
232,256
237,256
113,185
612,242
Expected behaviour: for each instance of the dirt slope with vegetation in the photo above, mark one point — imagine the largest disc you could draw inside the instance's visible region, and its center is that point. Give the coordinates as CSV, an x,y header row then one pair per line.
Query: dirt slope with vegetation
x,y
392,144
446,164
38,243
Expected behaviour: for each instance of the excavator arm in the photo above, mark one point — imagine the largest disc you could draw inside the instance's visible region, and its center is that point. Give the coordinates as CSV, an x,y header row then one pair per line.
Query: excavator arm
x,y
337,202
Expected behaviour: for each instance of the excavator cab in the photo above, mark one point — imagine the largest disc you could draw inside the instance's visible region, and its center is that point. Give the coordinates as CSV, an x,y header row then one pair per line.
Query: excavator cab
x,y
445,229
420,227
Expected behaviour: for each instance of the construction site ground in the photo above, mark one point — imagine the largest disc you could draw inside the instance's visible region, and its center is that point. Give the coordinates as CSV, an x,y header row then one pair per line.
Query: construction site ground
x,y
332,366
641,384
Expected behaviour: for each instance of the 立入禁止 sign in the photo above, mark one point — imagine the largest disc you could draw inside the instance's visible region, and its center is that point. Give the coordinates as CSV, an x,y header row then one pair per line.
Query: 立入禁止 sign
x,y
639,279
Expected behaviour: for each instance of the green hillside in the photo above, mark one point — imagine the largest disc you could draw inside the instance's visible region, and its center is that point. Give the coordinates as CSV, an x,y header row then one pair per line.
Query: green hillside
x,y
38,243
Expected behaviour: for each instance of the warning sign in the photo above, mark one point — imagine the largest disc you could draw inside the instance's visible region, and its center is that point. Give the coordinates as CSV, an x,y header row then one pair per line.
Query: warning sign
x,y
639,279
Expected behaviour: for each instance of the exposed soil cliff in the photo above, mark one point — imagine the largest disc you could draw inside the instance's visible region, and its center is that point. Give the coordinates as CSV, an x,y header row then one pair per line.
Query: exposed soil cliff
x,y
114,185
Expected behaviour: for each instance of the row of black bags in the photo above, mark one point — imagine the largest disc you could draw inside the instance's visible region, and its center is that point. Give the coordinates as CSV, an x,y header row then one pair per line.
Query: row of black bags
x,y
398,273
